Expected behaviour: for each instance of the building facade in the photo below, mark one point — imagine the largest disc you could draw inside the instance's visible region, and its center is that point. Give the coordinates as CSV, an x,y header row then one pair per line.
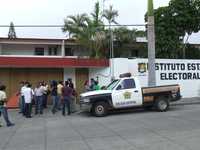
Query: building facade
x,y
35,60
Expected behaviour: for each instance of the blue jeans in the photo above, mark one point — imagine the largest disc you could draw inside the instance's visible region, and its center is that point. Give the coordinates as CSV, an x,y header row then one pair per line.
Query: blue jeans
x,y
66,103
45,100
59,102
55,103
4,112
39,104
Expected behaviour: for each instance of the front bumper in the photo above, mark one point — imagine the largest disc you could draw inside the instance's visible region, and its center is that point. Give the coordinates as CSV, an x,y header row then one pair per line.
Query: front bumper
x,y
177,98
85,106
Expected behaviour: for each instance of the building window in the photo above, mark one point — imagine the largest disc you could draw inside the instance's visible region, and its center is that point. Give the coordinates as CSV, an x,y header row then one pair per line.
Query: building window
x,y
69,51
39,51
134,53
53,51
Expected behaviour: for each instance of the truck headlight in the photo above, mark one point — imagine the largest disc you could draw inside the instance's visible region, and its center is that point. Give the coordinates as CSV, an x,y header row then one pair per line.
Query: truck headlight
x,y
86,100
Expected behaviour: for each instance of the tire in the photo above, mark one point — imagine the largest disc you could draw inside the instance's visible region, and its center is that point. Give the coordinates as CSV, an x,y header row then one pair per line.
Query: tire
x,y
162,104
100,109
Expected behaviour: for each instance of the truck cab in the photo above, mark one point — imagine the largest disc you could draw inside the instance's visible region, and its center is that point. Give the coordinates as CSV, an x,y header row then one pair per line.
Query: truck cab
x,y
126,93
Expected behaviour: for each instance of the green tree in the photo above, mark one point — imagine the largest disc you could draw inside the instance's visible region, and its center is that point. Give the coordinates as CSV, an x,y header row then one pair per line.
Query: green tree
x,y
192,52
88,31
98,33
12,33
167,36
126,35
125,41
172,23
75,24
186,16
96,16
111,15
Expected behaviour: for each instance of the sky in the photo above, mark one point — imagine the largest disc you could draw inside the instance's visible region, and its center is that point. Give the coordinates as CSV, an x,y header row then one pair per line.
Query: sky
x,y
53,12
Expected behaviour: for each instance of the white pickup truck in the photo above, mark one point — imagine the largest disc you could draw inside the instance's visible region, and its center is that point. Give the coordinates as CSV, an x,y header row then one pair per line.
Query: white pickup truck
x,y
126,93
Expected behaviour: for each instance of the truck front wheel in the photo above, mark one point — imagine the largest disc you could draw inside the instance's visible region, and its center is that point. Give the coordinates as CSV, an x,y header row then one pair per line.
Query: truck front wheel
x,y
162,104
100,109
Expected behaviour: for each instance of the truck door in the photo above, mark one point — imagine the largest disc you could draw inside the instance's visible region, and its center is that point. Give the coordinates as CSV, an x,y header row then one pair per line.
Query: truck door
x,y
127,94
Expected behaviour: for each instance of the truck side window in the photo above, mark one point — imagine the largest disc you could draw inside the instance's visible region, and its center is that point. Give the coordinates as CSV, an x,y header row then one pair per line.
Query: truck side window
x,y
119,87
128,84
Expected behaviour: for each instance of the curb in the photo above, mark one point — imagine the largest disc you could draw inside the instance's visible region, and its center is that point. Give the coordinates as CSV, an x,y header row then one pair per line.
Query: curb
x,y
187,101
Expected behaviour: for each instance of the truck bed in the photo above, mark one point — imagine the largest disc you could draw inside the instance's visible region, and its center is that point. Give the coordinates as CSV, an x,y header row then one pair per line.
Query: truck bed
x,y
150,93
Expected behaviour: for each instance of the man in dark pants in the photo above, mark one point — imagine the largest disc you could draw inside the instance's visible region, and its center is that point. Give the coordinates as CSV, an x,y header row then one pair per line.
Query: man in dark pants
x,y
3,108
54,96
38,99
28,95
66,96
22,101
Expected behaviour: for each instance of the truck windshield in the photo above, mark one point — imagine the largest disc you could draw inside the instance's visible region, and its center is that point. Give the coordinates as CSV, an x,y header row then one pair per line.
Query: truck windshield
x,y
112,85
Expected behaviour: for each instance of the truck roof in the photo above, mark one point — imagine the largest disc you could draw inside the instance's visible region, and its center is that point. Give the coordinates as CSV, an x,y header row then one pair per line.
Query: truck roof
x,y
128,74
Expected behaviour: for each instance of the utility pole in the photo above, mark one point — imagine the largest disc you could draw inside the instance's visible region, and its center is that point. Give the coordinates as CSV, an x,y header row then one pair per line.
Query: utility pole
x,y
151,45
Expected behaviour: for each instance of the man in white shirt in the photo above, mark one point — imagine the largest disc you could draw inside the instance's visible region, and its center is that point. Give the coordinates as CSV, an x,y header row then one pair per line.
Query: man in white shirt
x,y
3,108
28,95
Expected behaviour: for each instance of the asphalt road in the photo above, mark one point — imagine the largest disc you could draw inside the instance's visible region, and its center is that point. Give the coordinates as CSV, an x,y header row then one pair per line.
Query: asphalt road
x,y
177,129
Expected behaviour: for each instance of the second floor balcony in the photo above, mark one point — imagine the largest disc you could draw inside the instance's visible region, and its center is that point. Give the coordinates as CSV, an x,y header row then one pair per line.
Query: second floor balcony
x,y
41,47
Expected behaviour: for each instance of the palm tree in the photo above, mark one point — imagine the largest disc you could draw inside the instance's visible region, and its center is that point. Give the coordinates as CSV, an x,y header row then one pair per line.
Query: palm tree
x,y
96,16
110,15
75,24
97,26
87,31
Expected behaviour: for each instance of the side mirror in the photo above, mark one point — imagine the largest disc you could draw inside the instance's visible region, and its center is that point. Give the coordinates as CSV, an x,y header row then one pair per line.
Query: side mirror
x,y
103,88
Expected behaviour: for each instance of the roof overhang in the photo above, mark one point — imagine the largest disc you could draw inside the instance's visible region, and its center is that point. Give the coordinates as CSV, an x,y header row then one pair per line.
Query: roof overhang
x,y
33,41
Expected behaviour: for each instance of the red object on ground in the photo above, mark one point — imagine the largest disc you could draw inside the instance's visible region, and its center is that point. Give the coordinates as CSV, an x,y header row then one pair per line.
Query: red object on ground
x,y
13,101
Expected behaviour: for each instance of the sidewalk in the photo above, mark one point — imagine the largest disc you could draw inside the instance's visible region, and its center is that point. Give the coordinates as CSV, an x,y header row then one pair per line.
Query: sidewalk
x,y
187,101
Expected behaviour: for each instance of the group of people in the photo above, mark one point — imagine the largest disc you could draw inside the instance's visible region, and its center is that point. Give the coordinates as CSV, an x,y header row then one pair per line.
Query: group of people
x,y
94,85
28,96
63,94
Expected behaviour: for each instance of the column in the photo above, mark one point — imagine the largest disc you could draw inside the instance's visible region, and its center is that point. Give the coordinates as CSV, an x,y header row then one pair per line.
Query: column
x,y
0,49
63,48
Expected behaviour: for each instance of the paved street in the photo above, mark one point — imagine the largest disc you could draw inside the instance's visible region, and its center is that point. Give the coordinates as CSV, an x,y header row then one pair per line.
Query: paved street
x,y
177,129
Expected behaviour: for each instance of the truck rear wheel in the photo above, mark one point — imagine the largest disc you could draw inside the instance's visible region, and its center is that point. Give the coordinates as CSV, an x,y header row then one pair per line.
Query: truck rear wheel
x,y
162,104
100,109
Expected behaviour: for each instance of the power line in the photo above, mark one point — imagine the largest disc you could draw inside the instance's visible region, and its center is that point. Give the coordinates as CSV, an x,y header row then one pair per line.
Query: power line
x,y
59,26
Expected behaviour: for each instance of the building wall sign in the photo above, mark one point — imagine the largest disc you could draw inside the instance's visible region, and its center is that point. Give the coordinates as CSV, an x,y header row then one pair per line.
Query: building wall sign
x,y
173,71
